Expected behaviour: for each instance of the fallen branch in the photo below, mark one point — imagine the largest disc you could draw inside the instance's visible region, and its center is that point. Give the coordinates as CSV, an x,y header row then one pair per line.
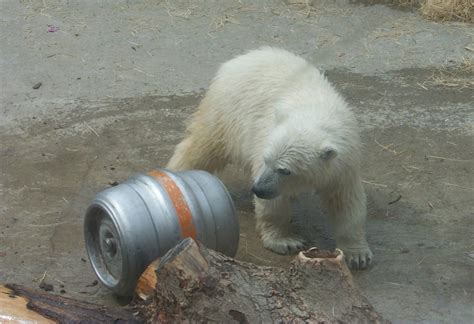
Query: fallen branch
x,y
21,304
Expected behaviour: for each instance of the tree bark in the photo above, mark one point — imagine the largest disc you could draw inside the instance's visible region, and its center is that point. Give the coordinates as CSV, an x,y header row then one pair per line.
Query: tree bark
x,y
21,304
194,284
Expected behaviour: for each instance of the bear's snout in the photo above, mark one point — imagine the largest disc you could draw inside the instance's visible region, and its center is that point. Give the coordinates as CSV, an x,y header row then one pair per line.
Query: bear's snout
x,y
265,187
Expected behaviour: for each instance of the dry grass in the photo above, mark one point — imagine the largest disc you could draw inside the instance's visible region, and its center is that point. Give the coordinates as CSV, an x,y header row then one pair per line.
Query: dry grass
x,y
438,10
448,80
459,78
443,10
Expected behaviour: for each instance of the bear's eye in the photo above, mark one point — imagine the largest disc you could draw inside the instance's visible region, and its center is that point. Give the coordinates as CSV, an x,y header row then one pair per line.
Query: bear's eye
x,y
283,171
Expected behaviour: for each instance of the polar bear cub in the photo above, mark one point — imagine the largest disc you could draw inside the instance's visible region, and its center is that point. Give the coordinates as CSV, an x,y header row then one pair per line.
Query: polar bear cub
x,y
278,117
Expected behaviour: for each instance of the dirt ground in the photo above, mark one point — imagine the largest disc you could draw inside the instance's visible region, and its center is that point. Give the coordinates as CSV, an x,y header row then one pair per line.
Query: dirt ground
x,y
118,80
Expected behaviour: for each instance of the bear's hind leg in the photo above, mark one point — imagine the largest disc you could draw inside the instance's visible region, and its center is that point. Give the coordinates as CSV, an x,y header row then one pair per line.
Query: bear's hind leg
x,y
195,153
274,223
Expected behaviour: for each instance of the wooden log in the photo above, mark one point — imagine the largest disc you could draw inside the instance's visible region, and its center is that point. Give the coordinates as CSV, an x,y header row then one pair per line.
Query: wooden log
x,y
20,304
194,284
13,308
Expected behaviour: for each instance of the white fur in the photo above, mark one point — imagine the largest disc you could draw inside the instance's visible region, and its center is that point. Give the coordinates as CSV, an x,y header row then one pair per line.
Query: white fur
x,y
269,110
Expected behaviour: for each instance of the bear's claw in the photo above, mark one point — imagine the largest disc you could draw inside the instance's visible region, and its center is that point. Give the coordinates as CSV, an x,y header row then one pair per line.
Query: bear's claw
x,y
358,258
284,245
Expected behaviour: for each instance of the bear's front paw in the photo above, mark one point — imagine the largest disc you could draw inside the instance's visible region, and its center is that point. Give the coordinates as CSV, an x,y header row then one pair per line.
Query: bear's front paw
x,y
284,245
357,258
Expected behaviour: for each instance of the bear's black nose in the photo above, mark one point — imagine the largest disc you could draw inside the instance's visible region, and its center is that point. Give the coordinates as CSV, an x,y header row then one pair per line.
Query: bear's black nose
x,y
263,193
257,191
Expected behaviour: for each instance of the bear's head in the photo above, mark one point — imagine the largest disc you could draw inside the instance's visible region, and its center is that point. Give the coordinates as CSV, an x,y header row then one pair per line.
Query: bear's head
x,y
300,155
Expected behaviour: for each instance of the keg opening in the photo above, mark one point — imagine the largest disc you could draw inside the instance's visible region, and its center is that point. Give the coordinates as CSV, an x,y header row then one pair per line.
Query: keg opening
x,y
110,246
104,246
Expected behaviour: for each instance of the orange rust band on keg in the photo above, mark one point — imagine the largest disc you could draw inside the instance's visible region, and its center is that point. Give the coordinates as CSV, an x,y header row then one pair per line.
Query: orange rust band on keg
x,y
185,217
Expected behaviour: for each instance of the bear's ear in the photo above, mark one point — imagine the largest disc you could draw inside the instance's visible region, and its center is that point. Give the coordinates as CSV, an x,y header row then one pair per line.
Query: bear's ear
x,y
328,153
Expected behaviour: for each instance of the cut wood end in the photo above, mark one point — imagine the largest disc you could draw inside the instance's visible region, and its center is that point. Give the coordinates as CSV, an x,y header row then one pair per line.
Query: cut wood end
x,y
186,252
147,282
314,254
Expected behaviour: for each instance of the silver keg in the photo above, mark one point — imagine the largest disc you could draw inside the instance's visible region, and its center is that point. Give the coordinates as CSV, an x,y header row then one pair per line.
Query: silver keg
x,y
130,225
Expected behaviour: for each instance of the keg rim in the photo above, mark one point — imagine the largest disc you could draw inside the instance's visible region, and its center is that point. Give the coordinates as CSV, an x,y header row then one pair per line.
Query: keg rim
x,y
96,215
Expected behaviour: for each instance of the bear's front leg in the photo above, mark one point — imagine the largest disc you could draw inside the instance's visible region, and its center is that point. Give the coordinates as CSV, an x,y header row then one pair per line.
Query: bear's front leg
x,y
274,223
347,211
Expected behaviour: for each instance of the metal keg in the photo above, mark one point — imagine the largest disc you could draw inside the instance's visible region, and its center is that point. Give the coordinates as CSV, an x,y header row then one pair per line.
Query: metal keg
x,y
130,225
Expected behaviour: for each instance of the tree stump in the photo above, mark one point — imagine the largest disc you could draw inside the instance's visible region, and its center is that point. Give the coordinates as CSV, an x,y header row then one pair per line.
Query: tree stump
x,y
194,284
